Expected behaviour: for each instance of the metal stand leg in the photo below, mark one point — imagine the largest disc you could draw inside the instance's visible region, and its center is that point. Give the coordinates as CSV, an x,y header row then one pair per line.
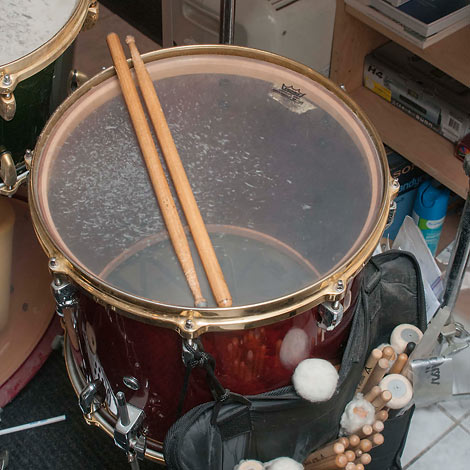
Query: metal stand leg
x,y
133,462
460,254
227,21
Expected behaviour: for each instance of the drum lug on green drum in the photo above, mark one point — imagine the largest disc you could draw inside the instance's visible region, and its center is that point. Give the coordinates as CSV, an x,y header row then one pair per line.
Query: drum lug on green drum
x,y
7,169
91,16
76,80
331,314
10,181
7,106
8,83
28,159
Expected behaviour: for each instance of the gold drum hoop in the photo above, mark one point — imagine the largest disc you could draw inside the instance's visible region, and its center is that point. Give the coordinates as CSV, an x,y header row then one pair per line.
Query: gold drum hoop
x,y
203,320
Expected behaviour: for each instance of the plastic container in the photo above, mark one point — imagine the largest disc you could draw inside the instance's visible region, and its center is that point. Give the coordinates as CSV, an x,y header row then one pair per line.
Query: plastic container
x,y
429,212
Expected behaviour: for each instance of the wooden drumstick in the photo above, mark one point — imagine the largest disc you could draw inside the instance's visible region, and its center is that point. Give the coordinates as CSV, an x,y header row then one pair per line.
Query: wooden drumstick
x,y
382,400
325,452
154,168
350,466
377,374
365,431
365,445
377,440
373,393
359,466
389,353
350,455
354,441
365,459
344,441
180,180
382,415
371,362
399,363
378,426
333,463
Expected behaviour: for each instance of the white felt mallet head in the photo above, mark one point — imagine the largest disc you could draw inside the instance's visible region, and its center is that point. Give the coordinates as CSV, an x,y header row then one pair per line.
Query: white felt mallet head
x,y
249,465
283,463
315,380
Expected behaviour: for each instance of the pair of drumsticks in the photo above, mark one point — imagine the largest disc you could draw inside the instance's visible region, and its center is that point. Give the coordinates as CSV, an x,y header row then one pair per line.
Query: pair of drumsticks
x,y
349,453
178,175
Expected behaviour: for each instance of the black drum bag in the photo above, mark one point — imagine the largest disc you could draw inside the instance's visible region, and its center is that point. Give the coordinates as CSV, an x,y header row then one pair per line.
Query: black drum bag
x,y
217,435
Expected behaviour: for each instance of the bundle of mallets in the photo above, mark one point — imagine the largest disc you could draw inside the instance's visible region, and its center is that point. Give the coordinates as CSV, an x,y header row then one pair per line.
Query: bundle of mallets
x,y
382,391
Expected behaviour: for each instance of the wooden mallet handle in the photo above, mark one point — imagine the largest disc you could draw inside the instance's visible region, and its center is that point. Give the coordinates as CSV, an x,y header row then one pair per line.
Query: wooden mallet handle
x,y
180,180
154,168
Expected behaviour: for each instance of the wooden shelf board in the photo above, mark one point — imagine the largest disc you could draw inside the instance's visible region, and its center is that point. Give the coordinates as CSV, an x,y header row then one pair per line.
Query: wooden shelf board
x,y
450,54
422,146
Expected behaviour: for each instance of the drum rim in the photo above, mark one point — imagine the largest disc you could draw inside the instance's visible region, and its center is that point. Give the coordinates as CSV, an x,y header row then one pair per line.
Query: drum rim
x,y
24,67
188,322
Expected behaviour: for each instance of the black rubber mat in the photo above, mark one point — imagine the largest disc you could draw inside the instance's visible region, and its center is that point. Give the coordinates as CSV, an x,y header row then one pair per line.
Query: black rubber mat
x,y
70,444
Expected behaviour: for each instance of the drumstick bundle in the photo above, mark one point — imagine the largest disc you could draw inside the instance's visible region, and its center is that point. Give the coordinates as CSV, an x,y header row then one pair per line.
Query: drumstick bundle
x,y
178,175
349,453
385,388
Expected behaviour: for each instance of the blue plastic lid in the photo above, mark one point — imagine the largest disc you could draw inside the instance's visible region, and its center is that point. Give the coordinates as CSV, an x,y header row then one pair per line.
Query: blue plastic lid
x,y
431,201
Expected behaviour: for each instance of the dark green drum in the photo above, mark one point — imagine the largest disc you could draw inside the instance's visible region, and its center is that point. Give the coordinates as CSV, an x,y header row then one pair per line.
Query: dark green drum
x,y
34,73
36,99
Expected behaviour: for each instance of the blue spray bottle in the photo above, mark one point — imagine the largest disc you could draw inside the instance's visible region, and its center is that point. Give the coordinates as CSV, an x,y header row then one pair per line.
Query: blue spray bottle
x,y
429,212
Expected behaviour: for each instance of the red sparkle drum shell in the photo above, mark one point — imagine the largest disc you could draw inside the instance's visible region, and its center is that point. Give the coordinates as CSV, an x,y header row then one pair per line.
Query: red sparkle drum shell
x,y
108,345
293,184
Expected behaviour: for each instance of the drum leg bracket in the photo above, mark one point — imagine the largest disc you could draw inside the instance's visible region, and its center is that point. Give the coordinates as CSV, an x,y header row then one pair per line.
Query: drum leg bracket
x,y
128,431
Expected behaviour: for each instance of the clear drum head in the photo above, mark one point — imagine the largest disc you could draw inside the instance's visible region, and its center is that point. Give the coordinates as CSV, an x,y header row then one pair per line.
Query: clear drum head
x,y
26,25
287,179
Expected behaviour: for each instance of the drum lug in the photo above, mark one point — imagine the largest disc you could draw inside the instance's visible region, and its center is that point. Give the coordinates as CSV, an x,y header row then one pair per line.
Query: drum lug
x,y
7,106
28,159
92,16
76,80
65,294
391,214
9,179
92,397
7,169
331,314
128,431
189,346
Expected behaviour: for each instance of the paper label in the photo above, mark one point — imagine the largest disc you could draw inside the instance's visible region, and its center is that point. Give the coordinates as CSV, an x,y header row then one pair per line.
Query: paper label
x,y
378,89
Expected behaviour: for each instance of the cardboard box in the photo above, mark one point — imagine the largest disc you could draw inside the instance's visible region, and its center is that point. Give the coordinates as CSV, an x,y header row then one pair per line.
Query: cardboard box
x,y
419,89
